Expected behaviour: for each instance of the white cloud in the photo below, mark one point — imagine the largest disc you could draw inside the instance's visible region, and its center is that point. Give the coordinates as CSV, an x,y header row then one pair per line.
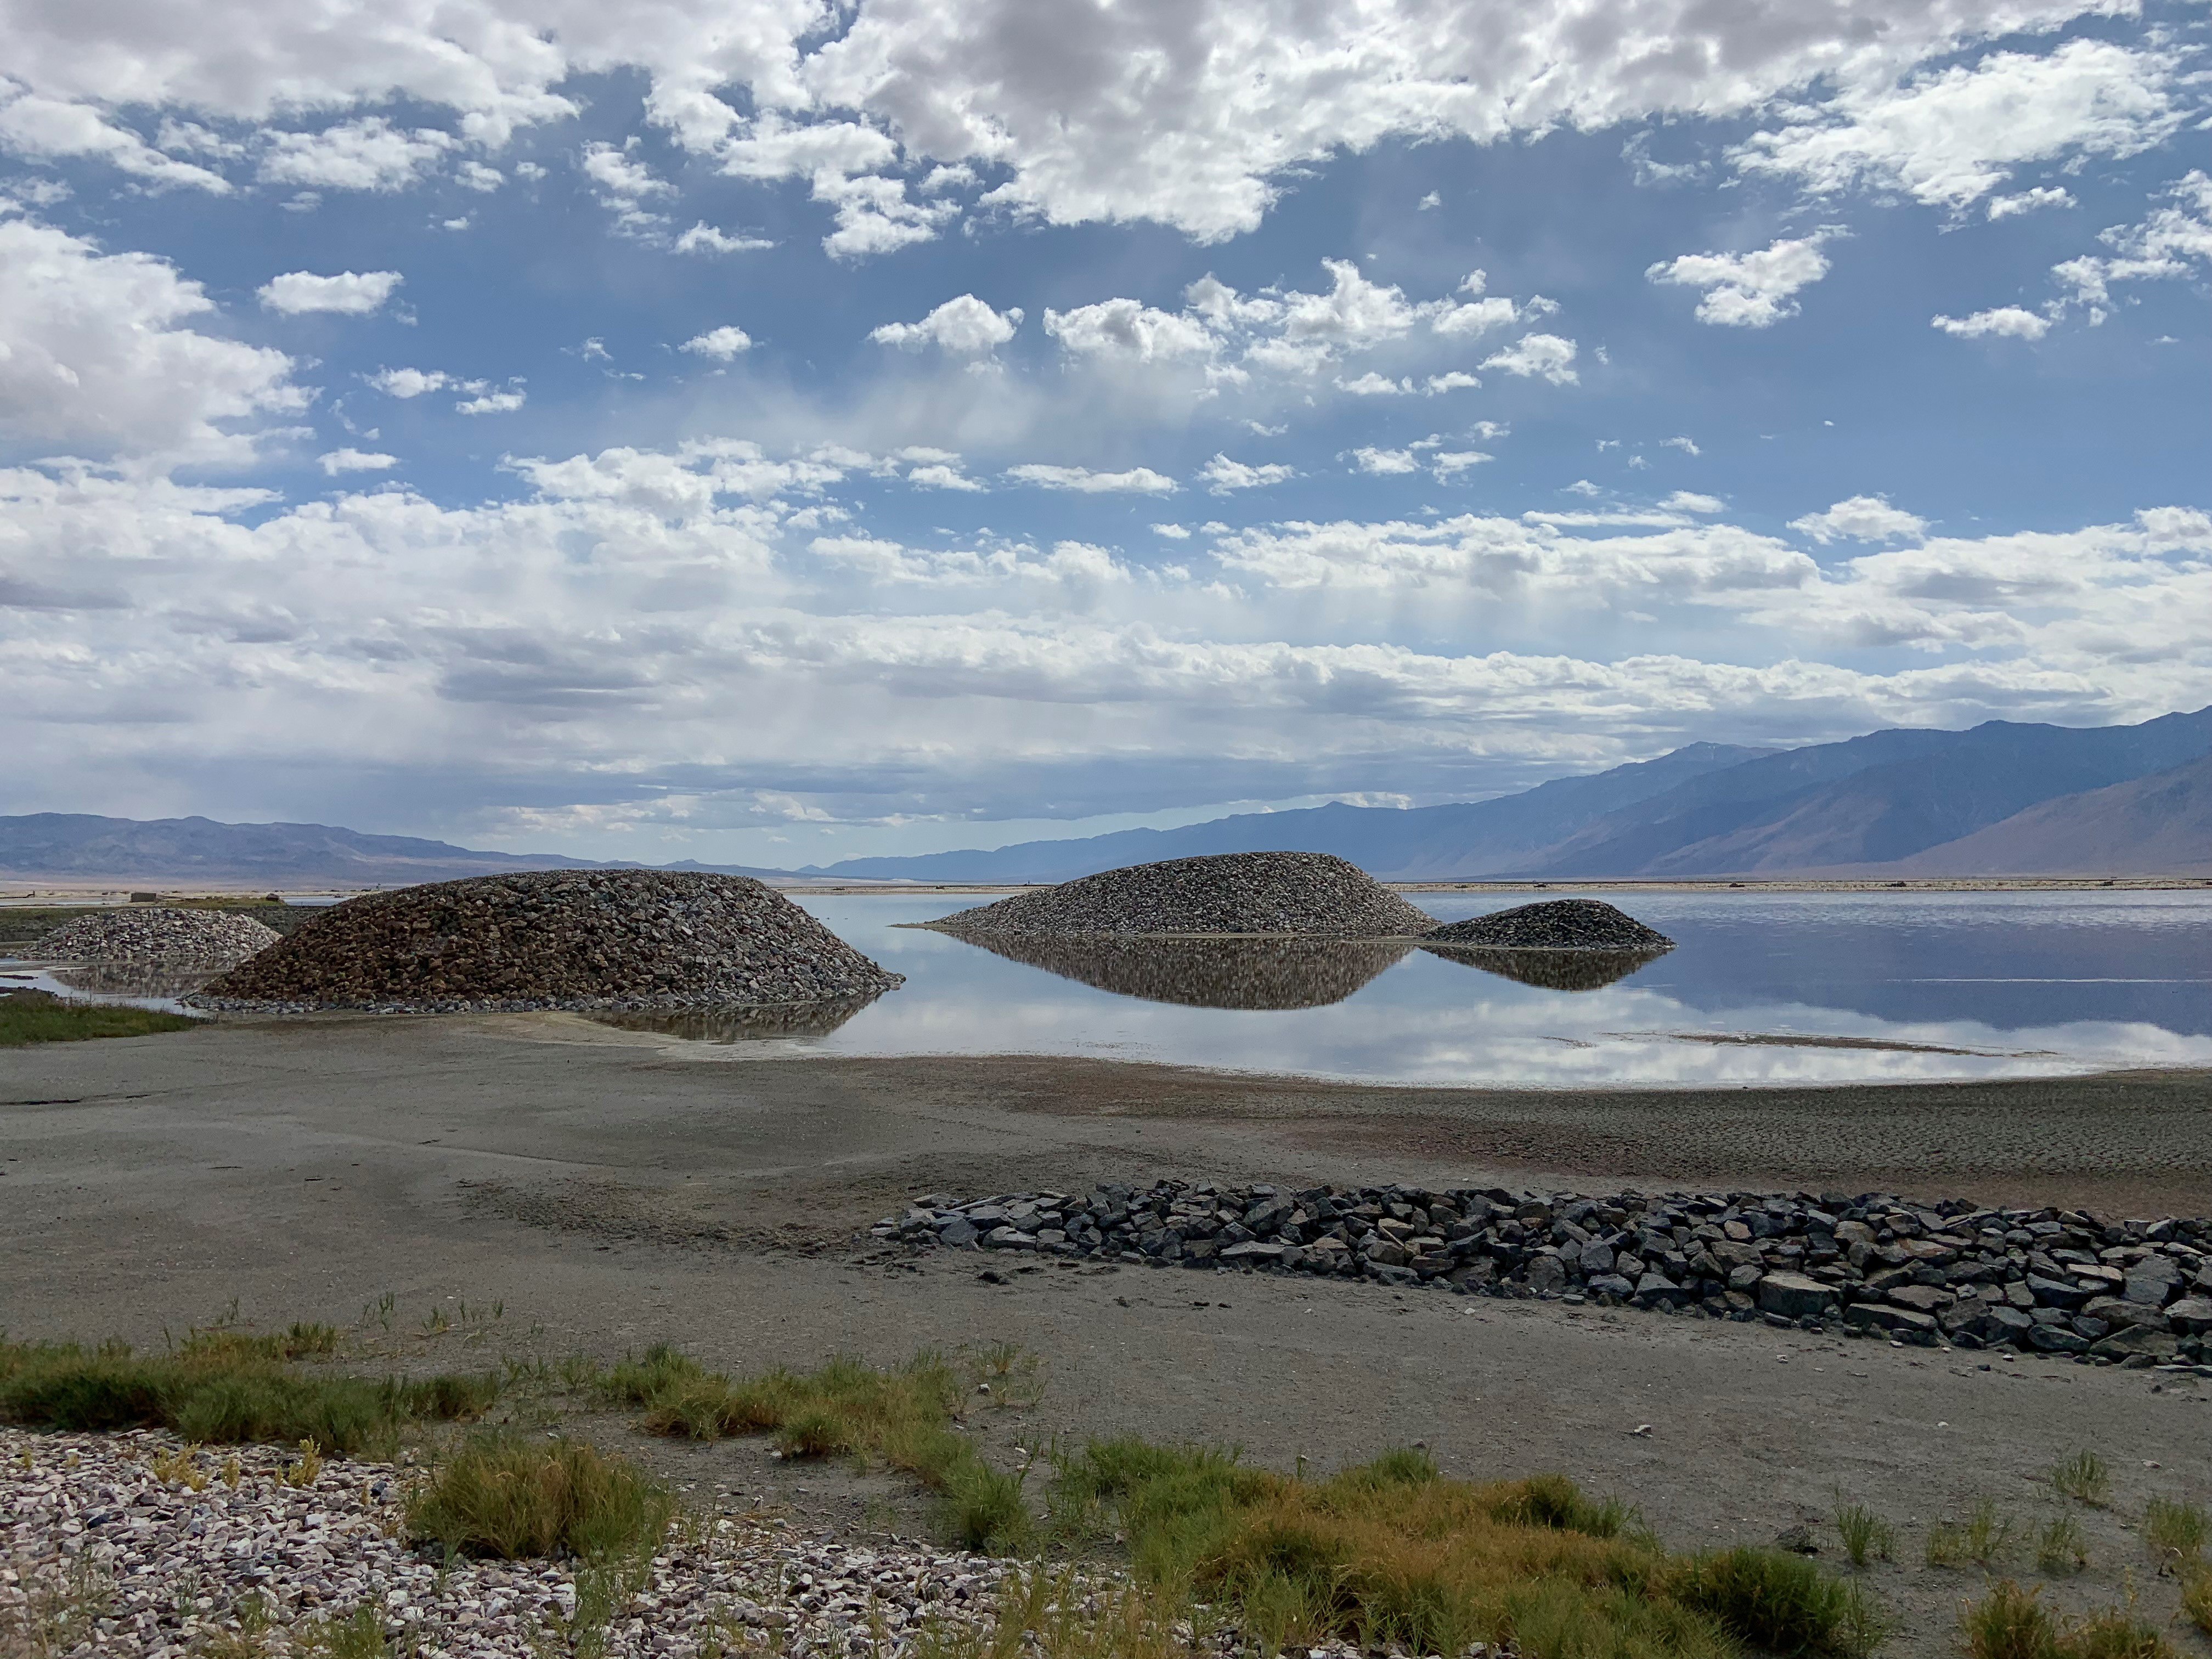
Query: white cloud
x,y
2005,321
47,129
350,293
1370,459
1449,463
369,153
1748,290
1480,316
1429,203
1545,354
354,461
1141,480
1454,380
619,174
490,403
96,356
1687,445
1372,385
724,343
704,238
2173,241
1174,532
1223,475
1127,329
410,382
2028,201
1687,501
965,326
942,476
1950,137
1863,519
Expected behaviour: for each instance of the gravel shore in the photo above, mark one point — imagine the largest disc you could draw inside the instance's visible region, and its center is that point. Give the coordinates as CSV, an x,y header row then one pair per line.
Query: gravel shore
x,y
133,1545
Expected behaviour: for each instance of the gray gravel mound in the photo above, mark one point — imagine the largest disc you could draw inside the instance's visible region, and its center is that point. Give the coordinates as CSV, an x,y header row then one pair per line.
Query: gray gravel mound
x,y
207,939
1554,925
555,938
1309,894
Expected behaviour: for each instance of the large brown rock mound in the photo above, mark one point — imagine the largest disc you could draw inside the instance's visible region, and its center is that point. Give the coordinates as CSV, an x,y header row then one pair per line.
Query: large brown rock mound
x,y
555,938
1309,894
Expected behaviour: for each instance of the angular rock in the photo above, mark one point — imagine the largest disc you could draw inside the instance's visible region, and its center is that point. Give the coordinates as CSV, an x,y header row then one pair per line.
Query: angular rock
x,y
1897,1322
2192,1314
1793,1296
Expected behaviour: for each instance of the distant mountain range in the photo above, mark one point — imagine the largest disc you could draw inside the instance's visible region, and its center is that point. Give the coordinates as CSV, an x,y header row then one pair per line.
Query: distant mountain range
x,y
2003,798
77,847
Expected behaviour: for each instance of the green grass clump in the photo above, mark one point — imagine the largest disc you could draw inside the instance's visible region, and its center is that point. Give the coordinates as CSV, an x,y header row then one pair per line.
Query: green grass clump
x,y
1866,1537
26,1020
2012,1623
1983,1538
225,1387
900,1418
2060,1546
2196,1600
2176,1530
1390,1553
2084,1478
511,1499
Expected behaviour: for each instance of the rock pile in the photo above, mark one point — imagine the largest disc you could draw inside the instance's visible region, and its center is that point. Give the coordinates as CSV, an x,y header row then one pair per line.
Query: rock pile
x,y
133,1545
2050,1280
1308,893
1553,925
555,938
211,939
1206,973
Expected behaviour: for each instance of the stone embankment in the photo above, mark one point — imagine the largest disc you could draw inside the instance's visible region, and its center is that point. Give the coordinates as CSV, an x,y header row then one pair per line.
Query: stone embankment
x,y
1553,925
176,938
133,1545
1308,893
568,939
2053,1281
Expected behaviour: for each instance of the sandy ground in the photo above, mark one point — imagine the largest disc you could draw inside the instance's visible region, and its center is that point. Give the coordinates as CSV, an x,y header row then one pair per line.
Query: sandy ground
x,y
610,1189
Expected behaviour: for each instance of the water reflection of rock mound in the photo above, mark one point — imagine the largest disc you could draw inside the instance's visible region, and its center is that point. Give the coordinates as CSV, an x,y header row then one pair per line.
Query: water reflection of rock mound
x,y
1554,970
790,1019
1205,973
136,979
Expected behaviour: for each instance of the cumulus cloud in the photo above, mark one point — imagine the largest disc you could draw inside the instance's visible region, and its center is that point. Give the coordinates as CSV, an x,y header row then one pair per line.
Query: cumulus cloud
x,y
724,344
2173,241
1141,480
490,403
97,356
354,461
47,129
1223,475
965,326
1688,500
350,293
2029,201
704,238
1862,519
410,382
1951,137
1748,290
1544,354
369,153
2003,321
1125,329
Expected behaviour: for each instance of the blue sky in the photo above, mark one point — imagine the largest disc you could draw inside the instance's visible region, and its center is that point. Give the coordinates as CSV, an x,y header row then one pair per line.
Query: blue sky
x,y
777,433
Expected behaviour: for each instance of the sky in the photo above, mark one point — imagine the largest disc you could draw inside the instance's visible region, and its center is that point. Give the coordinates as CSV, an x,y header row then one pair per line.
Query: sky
x,y
772,432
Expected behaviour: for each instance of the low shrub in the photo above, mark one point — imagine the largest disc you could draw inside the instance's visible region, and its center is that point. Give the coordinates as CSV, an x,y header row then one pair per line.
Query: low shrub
x,y
1775,1601
2084,1478
508,1498
223,1388
1866,1537
2176,1529
2012,1623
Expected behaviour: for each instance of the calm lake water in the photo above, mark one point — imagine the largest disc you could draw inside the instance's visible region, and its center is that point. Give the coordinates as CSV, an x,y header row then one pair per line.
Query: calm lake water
x,y
1763,988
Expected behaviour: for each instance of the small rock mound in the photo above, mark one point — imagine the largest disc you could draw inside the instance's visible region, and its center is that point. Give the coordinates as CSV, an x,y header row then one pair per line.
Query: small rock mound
x,y
204,939
1554,925
1309,894
555,938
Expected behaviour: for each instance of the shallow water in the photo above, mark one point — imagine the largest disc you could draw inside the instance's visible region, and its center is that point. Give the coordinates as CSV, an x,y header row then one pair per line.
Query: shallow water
x,y
1762,988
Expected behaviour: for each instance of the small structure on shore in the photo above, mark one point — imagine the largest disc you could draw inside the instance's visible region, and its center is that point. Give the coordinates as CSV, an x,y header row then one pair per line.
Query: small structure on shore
x,y
1308,895
557,938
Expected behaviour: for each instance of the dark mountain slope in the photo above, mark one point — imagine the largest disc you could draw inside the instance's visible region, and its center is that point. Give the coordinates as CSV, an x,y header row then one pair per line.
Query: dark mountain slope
x,y
1393,843
1871,800
2158,825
